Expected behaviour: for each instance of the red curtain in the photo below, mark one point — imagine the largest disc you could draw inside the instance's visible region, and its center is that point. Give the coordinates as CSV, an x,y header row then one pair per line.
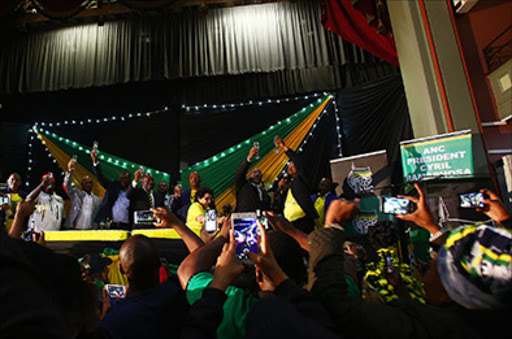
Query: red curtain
x,y
351,24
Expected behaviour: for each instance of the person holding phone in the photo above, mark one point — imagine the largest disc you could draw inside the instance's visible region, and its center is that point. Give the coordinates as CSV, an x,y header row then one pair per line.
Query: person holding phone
x,y
197,211
14,195
195,276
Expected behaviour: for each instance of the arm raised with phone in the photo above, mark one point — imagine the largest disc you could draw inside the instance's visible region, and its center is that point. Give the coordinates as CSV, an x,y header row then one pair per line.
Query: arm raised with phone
x,y
170,220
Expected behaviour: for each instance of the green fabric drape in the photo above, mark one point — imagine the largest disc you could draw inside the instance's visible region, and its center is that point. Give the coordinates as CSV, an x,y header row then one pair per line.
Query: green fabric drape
x,y
217,171
62,149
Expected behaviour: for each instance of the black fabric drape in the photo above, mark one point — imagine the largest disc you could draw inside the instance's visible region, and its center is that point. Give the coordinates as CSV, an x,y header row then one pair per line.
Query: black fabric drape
x,y
375,116
321,147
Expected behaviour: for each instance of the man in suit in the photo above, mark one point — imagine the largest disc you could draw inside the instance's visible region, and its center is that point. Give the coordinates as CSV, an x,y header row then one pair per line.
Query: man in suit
x,y
298,206
161,195
143,198
84,204
115,206
250,196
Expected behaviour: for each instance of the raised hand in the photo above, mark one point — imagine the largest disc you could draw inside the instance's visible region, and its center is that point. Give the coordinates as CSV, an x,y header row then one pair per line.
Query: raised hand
x,y
226,227
279,142
207,237
421,216
265,260
138,175
228,268
279,223
252,152
167,218
38,238
94,156
25,208
493,207
341,212
71,164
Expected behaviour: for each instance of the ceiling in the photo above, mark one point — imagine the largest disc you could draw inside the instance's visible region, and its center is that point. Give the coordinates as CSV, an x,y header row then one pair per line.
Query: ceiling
x,y
27,17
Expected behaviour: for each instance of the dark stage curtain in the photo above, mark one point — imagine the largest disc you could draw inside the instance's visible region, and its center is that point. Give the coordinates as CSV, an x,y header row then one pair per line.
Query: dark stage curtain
x,y
321,148
284,40
375,116
8,6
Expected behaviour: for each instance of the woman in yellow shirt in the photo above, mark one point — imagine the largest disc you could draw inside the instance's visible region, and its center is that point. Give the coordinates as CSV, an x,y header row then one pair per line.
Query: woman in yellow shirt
x,y
196,212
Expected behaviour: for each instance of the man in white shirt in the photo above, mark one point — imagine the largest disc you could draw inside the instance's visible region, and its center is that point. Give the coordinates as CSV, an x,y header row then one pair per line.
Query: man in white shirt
x,y
49,209
84,204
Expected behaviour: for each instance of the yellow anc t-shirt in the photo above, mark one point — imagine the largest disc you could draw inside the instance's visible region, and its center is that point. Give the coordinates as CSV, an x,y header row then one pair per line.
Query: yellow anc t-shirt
x,y
15,199
292,209
195,210
320,209
192,196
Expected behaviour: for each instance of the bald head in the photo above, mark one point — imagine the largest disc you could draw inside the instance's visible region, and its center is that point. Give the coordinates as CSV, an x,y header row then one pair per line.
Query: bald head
x,y
140,262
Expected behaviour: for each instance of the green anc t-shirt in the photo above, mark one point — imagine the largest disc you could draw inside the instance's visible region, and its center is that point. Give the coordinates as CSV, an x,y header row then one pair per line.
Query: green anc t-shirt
x,y
236,307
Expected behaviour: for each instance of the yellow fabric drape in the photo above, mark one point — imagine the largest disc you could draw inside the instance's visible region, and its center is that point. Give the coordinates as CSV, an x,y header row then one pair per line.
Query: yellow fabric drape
x,y
273,163
89,235
63,159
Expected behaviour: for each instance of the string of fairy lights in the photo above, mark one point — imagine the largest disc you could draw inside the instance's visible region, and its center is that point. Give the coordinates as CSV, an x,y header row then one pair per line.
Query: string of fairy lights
x,y
194,109
38,126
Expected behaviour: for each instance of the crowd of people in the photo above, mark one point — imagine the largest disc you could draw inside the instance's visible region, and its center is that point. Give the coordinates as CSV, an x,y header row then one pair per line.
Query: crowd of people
x,y
309,278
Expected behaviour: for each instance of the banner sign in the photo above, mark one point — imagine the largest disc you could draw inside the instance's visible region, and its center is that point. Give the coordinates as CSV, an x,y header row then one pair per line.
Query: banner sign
x,y
446,155
363,176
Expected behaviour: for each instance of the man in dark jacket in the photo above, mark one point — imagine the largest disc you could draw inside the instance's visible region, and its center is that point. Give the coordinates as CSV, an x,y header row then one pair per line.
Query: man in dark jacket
x,y
150,309
115,205
298,207
250,195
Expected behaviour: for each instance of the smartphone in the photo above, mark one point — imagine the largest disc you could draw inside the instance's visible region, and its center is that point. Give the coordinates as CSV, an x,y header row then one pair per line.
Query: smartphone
x,y
471,200
394,205
144,217
389,264
263,220
115,293
246,234
95,145
210,224
4,199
